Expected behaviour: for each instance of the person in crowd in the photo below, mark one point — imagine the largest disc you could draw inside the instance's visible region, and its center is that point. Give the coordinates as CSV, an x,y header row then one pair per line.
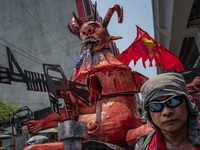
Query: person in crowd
x,y
12,147
142,118
167,107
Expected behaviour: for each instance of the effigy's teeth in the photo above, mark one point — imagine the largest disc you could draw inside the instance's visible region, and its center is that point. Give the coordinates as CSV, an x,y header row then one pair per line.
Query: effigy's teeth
x,y
94,40
88,40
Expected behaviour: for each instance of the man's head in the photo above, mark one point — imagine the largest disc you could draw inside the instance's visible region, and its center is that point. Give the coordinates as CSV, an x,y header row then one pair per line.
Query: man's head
x,y
169,114
167,94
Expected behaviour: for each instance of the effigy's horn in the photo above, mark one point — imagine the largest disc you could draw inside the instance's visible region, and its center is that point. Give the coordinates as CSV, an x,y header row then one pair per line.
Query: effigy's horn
x,y
75,27
79,22
69,28
110,12
95,12
75,23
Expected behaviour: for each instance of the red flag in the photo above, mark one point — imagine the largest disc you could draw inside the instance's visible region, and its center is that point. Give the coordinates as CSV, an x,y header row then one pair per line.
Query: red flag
x,y
145,47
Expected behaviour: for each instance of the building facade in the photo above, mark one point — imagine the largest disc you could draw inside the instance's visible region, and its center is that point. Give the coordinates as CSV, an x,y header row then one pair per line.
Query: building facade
x,y
177,27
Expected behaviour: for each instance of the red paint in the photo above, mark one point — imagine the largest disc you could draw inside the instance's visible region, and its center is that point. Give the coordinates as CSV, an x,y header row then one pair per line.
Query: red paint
x,y
133,134
46,146
112,85
80,8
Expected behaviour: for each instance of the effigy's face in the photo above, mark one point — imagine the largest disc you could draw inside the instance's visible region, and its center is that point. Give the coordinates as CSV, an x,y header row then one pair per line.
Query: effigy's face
x,y
93,33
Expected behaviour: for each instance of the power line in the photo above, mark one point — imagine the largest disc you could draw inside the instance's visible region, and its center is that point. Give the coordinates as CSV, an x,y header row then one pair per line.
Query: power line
x,y
19,63
68,75
44,28
31,57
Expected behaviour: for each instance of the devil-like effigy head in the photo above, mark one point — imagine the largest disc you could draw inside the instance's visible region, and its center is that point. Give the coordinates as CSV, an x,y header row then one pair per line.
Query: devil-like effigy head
x,y
95,33
92,32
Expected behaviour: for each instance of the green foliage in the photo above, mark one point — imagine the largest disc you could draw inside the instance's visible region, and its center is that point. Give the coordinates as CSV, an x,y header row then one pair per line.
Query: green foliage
x,y
6,111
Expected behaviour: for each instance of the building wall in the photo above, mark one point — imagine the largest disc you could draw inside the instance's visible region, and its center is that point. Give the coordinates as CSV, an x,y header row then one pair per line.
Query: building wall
x,y
172,29
36,32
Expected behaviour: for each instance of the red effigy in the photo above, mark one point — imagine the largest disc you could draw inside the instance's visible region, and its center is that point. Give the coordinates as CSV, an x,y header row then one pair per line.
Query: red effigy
x,y
113,85
112,116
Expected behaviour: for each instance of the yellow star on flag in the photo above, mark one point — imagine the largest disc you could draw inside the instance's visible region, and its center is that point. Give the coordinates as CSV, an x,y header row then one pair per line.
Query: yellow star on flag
x,y
149,43
150,55
157,55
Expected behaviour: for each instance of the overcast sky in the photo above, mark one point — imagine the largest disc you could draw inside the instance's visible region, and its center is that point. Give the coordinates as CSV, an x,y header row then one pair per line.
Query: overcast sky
x,y
136,12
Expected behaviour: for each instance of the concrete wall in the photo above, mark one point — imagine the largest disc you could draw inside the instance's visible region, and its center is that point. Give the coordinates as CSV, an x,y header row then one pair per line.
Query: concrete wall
x,y
171,26
36,32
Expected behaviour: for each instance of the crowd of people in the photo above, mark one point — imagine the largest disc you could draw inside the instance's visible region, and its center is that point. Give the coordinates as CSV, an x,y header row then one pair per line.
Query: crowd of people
x,y
12,147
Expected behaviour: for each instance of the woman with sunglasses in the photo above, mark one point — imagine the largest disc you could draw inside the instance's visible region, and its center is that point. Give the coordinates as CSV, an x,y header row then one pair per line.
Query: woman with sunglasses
x,y
168,108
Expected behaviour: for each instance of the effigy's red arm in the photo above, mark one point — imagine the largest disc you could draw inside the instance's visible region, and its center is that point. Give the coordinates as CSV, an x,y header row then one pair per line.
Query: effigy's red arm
x,y
139,79
133,134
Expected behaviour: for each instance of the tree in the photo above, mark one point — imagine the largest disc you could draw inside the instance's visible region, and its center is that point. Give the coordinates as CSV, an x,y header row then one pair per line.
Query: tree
x,y
6,112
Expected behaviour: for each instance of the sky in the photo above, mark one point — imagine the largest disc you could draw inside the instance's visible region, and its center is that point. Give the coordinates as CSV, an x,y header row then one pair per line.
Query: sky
x,y
136,12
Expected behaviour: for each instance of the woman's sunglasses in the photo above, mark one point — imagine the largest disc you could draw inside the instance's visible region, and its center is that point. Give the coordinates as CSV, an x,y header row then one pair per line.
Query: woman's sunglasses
x,y
171,103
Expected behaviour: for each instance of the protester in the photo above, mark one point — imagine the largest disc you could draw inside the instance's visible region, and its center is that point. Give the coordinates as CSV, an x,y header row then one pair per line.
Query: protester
x,y
12,147
168,108
142,118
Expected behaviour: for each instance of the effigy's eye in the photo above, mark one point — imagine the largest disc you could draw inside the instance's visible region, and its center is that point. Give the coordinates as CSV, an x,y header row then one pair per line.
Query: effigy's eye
x,y
94,25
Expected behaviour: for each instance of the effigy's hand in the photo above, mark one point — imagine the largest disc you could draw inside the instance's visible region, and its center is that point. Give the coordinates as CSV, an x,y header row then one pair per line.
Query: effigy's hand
x,y
70,103
33,125
76,106
194,85
49,121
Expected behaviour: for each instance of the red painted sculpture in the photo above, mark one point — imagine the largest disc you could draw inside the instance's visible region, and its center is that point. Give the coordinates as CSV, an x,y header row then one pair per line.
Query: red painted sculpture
x,y
112,115
113,86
